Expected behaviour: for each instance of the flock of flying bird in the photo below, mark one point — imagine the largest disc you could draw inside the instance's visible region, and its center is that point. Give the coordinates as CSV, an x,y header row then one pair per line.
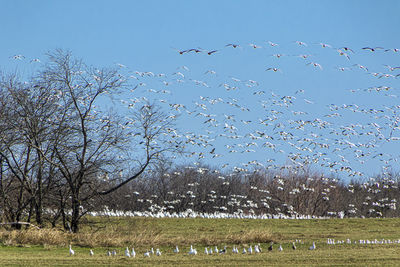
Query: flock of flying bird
x,y
248,117
341,50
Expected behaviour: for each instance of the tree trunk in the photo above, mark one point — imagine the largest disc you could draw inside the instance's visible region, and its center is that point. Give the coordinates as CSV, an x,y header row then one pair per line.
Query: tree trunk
x,y
39,191
17,225
31,205
75,215
38,210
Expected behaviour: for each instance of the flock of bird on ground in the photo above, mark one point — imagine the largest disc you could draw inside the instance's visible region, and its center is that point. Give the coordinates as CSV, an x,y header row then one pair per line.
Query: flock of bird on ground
x,y
245,250
207,250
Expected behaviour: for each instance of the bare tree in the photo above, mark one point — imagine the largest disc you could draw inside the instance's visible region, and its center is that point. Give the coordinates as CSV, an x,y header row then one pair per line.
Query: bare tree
x,y
92,146
24,139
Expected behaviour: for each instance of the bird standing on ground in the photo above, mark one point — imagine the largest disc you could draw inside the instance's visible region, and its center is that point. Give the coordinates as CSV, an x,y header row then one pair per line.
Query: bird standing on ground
x,y
127,254
71,251
294,246
91,253
192,251
216,249
313,247
235,250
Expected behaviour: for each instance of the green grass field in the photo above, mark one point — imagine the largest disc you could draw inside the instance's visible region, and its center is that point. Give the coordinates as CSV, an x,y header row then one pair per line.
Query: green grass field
x,y
50,247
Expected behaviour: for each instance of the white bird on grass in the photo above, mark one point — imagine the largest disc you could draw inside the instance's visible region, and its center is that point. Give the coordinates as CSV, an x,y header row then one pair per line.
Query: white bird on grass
x,y
235,250
133,253
192,251
127,254
313,247
147,254
176,250
158,252
91,253
280,248
71,251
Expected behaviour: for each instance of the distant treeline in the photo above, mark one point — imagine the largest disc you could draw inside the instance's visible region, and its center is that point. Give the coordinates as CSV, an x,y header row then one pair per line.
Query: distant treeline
x,y
292,193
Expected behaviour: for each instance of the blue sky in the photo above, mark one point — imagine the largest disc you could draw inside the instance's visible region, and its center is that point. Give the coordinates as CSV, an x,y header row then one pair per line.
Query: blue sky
x,y
146,36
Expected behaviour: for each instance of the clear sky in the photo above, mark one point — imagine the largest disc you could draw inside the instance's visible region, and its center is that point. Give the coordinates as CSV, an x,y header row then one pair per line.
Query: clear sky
x,y
146,36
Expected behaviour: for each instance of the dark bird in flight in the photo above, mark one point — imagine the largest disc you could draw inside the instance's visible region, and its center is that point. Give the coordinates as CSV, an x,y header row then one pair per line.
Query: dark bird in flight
x,y
194,50
372,49
233,45
346,49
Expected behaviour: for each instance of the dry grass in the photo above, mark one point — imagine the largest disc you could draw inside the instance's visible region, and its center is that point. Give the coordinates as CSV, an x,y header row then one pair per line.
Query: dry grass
x,y
55,237
149,232
127,232
33,237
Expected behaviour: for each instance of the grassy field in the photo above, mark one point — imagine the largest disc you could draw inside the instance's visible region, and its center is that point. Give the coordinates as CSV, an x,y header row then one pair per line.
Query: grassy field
x,y
49,247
